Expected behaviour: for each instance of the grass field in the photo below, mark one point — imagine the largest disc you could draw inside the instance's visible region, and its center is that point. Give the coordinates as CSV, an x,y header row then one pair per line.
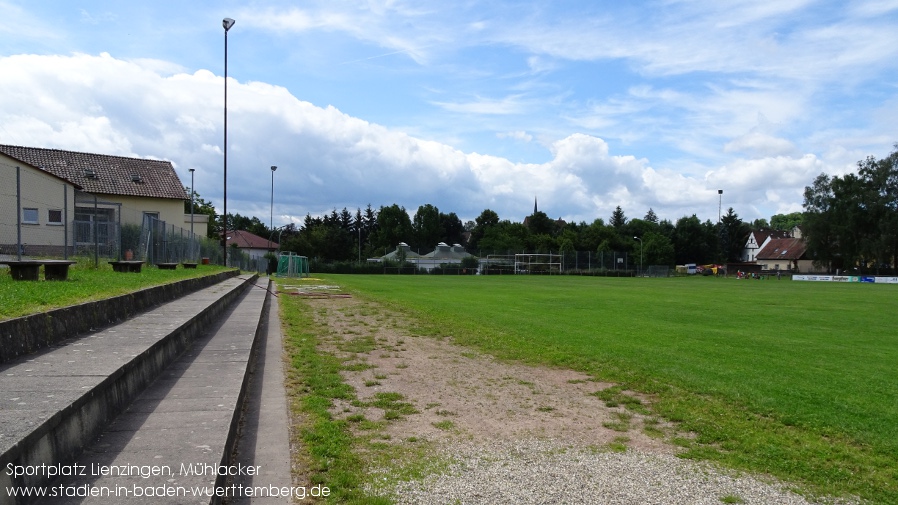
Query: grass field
x,y
798,380
84,284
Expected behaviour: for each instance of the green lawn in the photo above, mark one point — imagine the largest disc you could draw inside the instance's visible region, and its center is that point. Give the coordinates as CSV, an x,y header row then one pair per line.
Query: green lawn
x,y
795,379
20,298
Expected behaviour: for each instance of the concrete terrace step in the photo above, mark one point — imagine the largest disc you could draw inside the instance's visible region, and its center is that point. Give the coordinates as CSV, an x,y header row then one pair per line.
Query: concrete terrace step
x,y
183,425
56,401
25,335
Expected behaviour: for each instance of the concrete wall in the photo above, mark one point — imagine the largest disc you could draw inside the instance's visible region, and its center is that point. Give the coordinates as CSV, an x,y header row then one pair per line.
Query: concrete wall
x,y
28,334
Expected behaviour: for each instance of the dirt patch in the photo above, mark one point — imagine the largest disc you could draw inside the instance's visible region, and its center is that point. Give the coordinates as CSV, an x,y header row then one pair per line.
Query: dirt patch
x,y
462,395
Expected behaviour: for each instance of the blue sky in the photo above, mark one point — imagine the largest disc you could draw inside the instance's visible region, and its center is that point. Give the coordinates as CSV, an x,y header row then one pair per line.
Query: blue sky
x,y
465,105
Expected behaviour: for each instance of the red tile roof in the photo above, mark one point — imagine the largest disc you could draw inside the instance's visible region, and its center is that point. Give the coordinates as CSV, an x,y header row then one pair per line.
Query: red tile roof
x,y
783,249
103,174
247,240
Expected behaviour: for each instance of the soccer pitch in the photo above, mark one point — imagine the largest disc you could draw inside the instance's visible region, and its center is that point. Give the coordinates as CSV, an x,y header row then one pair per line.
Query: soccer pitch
x,y
798,380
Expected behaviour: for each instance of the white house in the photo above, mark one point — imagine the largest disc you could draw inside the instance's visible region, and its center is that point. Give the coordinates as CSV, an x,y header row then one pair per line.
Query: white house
x,y
101,190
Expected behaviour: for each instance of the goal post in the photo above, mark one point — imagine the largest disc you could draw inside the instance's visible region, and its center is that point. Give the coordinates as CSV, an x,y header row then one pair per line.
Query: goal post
x,y
292,265
657,271
537,263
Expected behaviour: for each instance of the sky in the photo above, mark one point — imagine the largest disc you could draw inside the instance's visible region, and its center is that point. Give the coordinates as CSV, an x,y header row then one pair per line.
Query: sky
x,y
585,105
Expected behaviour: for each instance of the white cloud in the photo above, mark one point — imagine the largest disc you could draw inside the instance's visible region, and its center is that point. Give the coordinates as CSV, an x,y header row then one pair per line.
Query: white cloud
x,y
758,144
325,157
516,135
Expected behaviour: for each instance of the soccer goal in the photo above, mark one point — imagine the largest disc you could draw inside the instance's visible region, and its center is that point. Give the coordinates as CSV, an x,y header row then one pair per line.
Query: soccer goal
x,y
657,271
497,264
292,265
537,263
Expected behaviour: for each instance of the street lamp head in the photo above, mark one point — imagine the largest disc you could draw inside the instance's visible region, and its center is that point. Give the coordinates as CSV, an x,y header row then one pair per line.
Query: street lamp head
x,y
719,191
273,168
227,23
191,170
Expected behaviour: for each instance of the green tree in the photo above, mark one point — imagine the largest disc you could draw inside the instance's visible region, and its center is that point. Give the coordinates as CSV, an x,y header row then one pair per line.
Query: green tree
x,y
482,224
539,223
393,226
657,250
691,241
733,234
427,228
201,206
618,219
786,222
851,221
453,230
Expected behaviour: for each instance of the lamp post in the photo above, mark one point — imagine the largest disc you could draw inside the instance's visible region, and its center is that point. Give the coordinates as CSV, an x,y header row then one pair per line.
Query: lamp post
x,y
271,218
640,254
226,23
192,237
719,203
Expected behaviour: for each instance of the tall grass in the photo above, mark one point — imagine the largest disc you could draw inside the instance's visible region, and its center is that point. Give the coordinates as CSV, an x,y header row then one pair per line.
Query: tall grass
x,y
794,379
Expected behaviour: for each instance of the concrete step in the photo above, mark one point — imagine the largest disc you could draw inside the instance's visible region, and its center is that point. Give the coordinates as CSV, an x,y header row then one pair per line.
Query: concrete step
x,y
28,334
56,401
183,426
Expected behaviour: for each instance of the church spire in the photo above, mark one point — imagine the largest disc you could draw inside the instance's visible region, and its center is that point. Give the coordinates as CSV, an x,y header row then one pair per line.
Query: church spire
x,y
534,205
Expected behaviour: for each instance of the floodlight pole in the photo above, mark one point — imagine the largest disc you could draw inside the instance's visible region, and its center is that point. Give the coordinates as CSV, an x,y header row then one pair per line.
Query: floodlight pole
x,y
192,237
226,23
271,218
719,204
640,254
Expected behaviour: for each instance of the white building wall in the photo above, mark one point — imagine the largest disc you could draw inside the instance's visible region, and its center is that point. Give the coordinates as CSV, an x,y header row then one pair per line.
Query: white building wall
x,y
50,204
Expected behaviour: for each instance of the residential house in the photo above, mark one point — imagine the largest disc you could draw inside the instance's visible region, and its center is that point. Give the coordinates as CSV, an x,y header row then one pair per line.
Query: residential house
x,y
756,241
786,255
251,244
36,209
107,190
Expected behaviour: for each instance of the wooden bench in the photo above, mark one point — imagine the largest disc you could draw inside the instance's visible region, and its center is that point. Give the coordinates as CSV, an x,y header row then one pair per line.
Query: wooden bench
x,y
29,270
127,266
166,266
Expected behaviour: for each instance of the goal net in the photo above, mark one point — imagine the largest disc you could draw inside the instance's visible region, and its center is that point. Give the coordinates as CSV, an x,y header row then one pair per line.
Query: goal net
x,y
292,265
537,263
658,271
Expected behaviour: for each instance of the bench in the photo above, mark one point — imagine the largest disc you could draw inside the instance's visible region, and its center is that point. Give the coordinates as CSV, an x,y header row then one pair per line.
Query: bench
x,y
166,266
29,270
127,266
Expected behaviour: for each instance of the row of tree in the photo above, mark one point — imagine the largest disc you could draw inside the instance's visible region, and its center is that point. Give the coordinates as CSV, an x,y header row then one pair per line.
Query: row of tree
x,y
849,221
346,236
343,236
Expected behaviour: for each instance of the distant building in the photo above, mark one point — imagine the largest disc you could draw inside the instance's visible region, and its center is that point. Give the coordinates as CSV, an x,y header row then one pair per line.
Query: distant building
x,y
560,223
786,255
253,245
443,254
756,241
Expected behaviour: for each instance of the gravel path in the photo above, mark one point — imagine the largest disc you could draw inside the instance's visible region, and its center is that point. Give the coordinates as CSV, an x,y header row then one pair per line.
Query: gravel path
x,y
542,472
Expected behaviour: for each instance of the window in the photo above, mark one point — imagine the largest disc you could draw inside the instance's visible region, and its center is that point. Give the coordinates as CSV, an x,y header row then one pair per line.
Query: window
x,y
54,216
29,216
